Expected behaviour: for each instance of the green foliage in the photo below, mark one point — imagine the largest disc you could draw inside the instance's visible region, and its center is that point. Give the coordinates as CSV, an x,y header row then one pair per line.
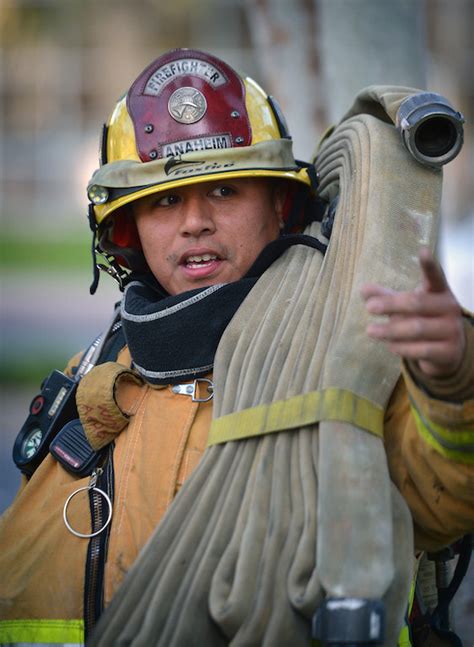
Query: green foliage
x,y
29,371
67,254
21,256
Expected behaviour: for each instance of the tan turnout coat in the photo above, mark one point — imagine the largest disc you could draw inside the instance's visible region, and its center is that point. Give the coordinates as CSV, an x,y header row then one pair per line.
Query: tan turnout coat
x,y
42,565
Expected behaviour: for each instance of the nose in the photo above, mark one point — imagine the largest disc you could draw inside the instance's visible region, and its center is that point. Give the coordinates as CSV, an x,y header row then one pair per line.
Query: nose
x,y
197,217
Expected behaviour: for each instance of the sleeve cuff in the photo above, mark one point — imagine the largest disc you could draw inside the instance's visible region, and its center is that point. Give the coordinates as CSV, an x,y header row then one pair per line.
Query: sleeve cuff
x,y
455,388
444,424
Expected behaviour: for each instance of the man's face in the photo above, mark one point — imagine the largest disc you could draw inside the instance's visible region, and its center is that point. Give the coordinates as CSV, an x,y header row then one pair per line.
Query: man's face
x,y
207,233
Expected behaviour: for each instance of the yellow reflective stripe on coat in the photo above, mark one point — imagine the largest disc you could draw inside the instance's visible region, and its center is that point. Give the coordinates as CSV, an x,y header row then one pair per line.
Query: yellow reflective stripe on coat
x,y
455,444
42,631
298,411
404,639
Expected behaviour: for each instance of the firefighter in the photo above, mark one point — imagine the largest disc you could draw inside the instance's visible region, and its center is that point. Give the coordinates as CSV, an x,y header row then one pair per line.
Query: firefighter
x,y
197,182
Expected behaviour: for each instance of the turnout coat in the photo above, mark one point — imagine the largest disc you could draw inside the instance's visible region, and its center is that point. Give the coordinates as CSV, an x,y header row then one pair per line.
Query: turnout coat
x,y
53,583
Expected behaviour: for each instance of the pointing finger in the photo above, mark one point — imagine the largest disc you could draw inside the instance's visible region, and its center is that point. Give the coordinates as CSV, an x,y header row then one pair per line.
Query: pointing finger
x,y
433,276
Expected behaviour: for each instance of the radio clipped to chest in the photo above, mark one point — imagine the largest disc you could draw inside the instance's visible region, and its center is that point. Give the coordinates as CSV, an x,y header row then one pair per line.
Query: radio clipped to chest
x,y
50,410
55,406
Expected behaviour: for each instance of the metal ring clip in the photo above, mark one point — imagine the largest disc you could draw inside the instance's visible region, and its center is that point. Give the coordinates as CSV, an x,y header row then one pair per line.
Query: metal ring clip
x,y
210,389
92,487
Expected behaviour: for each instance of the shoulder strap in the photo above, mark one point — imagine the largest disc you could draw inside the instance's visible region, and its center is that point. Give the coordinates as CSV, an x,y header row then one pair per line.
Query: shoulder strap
x,y
440,616
113,345
70,447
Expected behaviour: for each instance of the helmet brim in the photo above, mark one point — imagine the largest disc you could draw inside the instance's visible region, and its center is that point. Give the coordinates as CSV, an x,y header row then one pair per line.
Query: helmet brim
x,y
125,181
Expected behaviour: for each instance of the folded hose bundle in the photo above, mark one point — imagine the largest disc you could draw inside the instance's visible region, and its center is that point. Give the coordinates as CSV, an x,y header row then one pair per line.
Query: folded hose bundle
x,y
292,501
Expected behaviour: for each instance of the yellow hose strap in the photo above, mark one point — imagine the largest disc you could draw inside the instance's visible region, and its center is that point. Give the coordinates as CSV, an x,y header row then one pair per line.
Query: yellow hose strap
x,y
455,444
42,631
298,411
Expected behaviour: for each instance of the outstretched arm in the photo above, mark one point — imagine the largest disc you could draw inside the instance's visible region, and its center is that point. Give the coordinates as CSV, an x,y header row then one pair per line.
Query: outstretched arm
x,y
428,431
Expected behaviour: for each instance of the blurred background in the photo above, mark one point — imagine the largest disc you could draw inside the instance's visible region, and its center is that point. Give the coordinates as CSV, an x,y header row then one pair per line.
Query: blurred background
x,y
63,65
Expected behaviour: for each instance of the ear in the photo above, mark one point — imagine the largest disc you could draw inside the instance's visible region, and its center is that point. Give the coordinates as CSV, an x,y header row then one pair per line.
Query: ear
x,y
280,194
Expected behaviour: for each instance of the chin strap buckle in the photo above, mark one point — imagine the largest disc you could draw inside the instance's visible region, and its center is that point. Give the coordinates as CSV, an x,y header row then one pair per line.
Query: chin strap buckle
x,y
113,269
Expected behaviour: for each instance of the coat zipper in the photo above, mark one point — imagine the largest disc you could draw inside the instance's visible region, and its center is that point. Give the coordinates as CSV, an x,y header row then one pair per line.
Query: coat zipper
x,y
97,550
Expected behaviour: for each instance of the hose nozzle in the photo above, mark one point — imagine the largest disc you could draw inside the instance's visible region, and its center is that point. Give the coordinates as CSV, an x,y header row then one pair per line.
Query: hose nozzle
x,y
430,128
349,622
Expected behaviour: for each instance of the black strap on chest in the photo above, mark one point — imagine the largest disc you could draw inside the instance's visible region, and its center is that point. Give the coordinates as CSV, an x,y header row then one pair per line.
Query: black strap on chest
x,y
71,447
113,345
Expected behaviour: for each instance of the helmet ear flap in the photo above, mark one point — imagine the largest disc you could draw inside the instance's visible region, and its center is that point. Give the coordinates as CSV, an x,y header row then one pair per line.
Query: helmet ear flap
x,y
288,202
118,236
124,232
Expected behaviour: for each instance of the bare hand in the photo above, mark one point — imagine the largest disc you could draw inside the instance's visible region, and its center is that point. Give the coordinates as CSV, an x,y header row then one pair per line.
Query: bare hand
x,y
423,325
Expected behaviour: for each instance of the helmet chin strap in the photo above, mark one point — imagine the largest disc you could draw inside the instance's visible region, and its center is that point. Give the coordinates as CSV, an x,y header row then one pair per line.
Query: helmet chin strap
x,y
112,268
95,267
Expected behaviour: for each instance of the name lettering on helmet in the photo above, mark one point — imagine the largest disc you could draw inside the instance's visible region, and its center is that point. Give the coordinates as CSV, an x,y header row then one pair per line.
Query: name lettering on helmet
x,y
196,144
184,67
176,161
175,166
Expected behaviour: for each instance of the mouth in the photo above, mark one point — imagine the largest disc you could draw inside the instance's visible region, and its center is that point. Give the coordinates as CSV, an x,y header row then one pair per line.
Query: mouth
x,y
200,265
195,261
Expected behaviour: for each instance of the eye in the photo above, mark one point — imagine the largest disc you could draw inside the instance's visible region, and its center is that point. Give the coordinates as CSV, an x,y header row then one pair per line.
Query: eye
x,y
167,200
222,191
